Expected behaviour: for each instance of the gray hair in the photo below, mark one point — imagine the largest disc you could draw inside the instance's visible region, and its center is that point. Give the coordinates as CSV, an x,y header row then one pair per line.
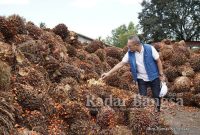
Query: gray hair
x,y
135,39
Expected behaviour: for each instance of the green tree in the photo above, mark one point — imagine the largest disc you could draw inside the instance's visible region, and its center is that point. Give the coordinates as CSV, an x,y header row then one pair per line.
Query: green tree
x,y
120,35
42,25
174,19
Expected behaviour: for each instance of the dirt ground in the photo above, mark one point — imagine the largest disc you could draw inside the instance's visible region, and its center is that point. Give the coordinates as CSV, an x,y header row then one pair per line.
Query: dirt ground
x,y
183,120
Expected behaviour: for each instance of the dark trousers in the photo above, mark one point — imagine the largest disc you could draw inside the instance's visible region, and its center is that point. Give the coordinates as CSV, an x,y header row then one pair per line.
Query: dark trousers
x,y
155,88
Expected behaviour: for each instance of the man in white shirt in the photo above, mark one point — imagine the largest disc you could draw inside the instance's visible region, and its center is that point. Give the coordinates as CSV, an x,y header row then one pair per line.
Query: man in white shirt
x,y
146,67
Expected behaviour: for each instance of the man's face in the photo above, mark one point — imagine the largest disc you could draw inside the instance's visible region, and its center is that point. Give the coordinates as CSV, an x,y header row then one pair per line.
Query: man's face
x,y
133,46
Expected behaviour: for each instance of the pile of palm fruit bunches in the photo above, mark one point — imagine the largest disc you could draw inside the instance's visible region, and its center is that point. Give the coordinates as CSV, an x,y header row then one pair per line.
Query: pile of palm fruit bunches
x,y
50,83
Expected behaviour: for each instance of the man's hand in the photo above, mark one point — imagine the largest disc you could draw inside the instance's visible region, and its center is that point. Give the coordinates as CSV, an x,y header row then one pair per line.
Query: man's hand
x,y
162,78
104,75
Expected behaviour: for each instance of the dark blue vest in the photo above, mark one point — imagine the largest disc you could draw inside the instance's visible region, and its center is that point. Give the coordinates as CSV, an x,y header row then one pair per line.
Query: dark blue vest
x,y
149,63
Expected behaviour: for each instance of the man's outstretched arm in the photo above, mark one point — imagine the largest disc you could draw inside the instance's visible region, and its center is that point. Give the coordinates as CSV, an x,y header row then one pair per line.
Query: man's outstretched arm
x,y
114,69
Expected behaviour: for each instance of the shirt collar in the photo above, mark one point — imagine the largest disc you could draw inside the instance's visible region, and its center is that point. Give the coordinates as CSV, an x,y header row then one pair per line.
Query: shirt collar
x,y
142,50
